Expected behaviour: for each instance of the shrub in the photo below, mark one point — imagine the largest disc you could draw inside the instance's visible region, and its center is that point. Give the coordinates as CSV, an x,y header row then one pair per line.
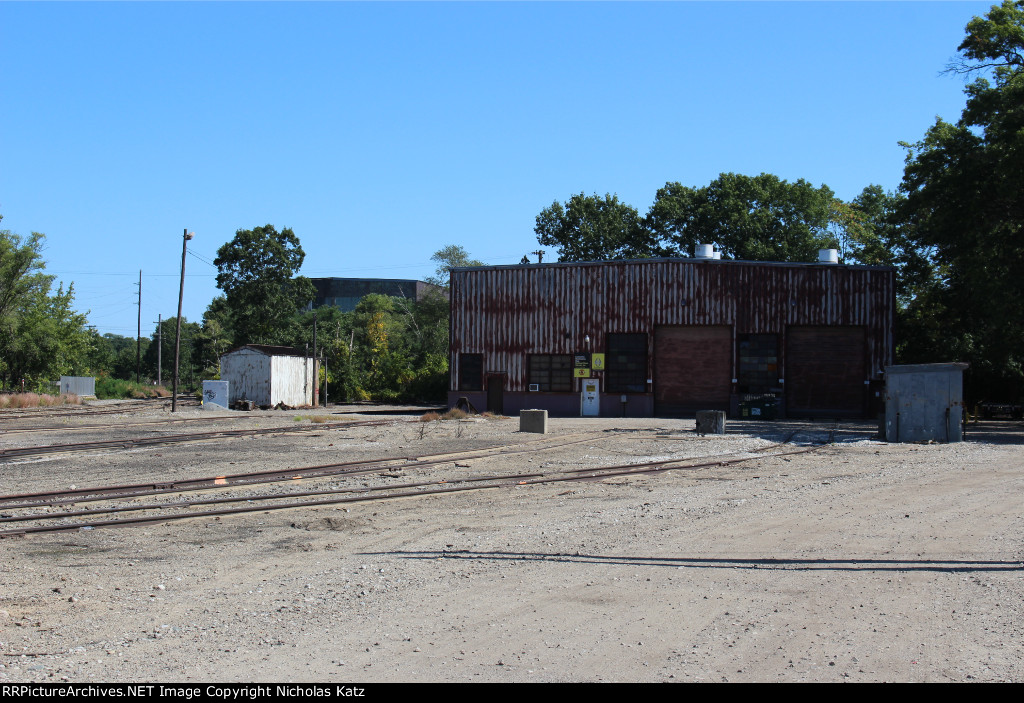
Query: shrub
x,y
34,400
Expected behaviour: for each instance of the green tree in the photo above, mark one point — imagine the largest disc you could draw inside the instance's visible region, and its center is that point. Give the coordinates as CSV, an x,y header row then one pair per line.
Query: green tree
x,y
256,273
595,228
215,338
964,200
450,257
189,362
759,218
41,336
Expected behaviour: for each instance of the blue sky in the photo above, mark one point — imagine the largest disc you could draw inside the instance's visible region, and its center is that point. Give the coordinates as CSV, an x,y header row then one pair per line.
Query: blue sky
x,y
381,132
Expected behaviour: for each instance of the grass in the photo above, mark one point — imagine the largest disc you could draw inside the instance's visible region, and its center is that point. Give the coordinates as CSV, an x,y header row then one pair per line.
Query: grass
x,y
35,400
456,414
319,419
115,388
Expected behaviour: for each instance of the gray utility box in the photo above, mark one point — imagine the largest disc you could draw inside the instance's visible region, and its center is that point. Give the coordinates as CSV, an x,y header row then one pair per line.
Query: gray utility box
x,y
84,386
924,402
215,395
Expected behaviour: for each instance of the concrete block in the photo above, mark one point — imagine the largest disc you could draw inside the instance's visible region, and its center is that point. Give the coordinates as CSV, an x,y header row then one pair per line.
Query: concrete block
x,y
710,422
533,421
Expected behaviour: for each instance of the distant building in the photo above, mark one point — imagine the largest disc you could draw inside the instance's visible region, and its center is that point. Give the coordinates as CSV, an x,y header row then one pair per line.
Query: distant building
x,y
669,337
345,293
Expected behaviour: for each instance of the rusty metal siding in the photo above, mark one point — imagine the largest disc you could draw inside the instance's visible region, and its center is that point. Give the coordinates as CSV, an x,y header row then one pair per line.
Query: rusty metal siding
x,y
507,312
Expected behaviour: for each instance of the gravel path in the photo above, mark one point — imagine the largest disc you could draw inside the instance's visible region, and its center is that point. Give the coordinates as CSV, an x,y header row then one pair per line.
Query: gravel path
x,y
857,561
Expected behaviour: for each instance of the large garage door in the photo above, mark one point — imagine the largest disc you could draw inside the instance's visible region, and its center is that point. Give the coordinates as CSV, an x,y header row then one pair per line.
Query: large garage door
x,y
692,369
825,371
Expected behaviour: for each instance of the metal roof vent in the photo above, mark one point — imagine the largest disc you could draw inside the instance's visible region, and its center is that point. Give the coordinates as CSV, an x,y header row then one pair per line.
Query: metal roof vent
x,y
828,256
704,251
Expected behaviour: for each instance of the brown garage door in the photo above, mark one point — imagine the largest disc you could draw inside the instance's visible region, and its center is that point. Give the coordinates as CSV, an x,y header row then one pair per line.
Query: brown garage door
x,y
692,368
825,371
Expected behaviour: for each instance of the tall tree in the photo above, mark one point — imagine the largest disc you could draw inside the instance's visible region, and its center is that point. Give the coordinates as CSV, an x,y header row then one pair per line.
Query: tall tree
x,y
450,257
256,274
41,336
964,188
190,360
595,228
760,218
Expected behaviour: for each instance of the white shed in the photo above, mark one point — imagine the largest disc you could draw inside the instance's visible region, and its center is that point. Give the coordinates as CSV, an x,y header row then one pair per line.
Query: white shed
x,y
268,375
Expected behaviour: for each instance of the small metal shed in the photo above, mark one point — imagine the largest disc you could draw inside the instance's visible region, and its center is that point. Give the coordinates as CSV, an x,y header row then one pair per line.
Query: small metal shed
x,y
84,386
924,402
268,375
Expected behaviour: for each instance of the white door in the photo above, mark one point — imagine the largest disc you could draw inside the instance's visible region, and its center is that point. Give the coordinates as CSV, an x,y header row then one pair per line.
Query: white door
x,y
591,398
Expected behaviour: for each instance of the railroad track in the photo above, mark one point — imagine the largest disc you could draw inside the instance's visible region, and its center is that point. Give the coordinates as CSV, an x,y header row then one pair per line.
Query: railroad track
x,y
134,443
158,512
141,423
88,410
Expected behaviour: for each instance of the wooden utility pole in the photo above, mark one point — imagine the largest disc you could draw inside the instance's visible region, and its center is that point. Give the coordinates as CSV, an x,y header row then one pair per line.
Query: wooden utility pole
x,y
177,333
138,336
316,369
159,350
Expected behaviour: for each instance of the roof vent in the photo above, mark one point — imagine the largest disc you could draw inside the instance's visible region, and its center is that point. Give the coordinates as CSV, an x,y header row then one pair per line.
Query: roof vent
x,y
828,256
704,251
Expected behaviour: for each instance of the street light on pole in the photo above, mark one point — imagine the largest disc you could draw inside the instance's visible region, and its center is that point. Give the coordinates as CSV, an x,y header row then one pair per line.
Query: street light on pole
x,y
177,333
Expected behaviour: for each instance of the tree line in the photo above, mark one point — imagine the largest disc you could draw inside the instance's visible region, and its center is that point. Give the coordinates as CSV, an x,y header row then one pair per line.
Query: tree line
x,y
952,231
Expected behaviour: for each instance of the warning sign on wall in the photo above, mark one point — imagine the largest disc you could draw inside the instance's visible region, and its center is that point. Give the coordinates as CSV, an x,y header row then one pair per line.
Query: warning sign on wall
x,y
597,362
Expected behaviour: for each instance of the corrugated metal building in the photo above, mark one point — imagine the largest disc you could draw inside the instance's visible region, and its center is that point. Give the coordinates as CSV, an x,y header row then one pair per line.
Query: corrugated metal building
x,y
676,335
268,375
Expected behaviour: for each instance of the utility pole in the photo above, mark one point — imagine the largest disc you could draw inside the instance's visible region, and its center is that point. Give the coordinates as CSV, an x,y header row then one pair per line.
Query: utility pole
x,y
177,333
138,336
159,350
540,255
316,370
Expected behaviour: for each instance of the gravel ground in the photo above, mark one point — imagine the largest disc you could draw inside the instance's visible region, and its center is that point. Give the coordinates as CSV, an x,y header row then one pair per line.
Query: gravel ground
x,y
855,561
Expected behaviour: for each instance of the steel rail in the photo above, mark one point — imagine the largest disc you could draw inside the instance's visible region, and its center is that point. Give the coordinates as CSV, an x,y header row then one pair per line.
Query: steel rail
x,y
82,495
645,467
174,439
77,428
77,410
387,492
530,479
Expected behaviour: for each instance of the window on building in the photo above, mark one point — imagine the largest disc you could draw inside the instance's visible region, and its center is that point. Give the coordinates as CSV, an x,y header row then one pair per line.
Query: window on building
x,y
471,372
551,372
759,362
626,363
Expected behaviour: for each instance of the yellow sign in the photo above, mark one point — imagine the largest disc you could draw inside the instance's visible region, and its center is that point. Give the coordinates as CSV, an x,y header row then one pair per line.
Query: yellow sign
x,y
581,373
597,362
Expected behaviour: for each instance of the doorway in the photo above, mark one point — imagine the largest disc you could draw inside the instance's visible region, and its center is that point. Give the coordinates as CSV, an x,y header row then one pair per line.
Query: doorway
x,y
496,393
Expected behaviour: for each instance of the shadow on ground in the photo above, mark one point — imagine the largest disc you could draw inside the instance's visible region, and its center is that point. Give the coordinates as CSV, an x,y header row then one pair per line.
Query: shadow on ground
x,y
942,565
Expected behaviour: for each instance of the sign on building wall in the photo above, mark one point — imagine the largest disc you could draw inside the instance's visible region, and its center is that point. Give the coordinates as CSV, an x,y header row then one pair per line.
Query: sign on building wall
x,y
597,362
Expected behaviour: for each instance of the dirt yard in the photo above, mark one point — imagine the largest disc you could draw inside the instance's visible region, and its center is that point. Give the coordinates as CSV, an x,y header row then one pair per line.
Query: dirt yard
x,y
854,561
